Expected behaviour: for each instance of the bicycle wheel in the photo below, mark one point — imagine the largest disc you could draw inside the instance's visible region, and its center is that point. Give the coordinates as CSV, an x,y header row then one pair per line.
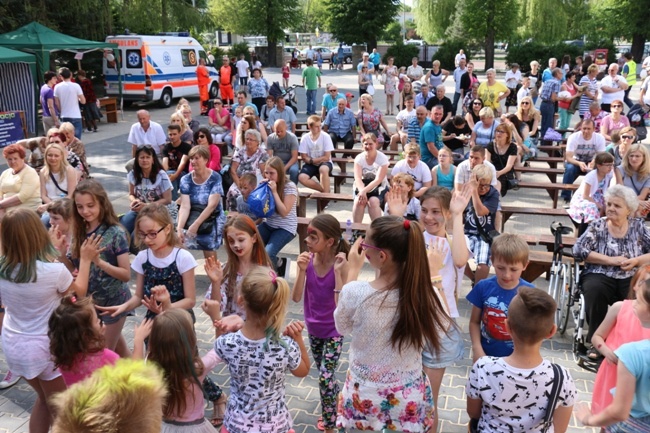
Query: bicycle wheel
x,y
566,300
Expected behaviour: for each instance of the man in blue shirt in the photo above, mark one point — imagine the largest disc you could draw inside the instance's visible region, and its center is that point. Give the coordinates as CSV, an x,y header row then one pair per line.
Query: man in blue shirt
x,y
282,112
431,137
330,100
548,95
423,97
241,100
415,125
340,123
375,58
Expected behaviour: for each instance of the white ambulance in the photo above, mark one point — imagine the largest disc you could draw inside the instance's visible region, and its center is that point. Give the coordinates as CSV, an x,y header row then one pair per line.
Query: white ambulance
x,y
155,68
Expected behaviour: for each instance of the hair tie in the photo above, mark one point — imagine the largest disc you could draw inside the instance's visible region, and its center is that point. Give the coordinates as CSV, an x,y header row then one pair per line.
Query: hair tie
x,y
274,276
73,299
407,224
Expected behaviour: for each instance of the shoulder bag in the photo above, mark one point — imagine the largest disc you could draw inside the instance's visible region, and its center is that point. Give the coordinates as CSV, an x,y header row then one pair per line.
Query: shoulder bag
x,y
57,184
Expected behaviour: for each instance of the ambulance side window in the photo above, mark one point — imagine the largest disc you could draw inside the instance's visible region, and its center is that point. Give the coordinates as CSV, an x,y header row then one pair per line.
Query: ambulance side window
x,y
133,59
189,58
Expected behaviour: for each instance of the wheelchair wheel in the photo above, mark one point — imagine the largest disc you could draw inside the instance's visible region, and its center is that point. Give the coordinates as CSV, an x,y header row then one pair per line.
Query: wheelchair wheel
x,y
566,300
557,288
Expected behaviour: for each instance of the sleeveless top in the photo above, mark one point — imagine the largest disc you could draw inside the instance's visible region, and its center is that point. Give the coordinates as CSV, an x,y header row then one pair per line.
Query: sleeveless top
x,y
435,80
446,180
319,302
169,277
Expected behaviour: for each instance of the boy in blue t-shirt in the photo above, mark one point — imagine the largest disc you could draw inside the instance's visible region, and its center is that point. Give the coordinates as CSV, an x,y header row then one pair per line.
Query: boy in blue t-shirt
x,y
491,297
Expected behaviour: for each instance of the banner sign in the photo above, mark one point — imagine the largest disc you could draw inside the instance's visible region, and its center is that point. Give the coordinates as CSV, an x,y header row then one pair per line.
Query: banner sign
x,y
11,128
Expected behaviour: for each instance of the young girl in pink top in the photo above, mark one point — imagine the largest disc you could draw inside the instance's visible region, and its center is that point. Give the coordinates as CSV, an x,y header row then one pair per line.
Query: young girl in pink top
x,y
317,280
621,325
76,339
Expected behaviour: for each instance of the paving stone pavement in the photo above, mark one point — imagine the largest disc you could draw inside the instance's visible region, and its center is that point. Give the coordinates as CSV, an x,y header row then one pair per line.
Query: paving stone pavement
x,y
107,152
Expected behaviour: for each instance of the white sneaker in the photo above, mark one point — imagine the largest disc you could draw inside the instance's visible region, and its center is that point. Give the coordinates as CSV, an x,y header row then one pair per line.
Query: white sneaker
x,y
9,380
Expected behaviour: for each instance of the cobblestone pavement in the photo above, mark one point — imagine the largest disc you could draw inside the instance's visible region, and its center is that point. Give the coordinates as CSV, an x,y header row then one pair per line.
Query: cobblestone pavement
x,y
107,152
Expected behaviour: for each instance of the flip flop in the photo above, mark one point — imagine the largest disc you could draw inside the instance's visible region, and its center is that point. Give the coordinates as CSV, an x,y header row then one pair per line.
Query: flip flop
x,y
219,412
320,425
594,355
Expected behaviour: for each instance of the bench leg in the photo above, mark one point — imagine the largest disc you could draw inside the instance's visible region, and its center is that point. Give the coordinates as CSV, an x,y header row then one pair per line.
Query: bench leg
x,y
552,177
505,217
302,207
338,181
554,193
302,235
320,204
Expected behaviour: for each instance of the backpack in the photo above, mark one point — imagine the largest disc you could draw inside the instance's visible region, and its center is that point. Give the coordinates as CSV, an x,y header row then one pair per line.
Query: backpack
x,y
637,116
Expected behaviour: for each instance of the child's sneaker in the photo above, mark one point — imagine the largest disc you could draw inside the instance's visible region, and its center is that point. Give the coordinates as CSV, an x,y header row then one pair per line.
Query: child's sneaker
x,y
283,267
9,380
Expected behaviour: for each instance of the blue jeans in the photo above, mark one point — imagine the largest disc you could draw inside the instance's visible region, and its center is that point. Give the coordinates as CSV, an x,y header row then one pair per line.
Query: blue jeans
x,y
77,123
175,185
311,101
275,240
454,105
293,172
431,162
128,221
627,99
547,108
571,173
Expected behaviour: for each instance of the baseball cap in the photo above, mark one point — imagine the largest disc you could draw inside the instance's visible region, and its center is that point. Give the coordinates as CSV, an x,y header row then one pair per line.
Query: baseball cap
x,y
349,95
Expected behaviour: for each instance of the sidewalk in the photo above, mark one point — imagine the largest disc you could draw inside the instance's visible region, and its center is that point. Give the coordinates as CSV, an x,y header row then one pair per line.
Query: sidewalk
x,y
107,152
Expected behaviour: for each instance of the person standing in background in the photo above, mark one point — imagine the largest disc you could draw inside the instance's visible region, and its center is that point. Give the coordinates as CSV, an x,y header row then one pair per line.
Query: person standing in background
x,y
68,96
243,69
375,58
50,113
90,110
629,72
226,81
203,78
311,82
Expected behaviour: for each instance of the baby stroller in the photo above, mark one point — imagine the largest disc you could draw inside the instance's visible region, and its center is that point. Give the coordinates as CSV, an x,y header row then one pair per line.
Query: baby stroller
x,y
289,94
637,117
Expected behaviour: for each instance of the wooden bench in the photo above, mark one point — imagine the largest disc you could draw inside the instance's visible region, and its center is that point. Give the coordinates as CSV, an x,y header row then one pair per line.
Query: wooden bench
x,y
552,150
303,223
552,161
323,198
339,179
553,189
551,173
301,211
508,211
539,262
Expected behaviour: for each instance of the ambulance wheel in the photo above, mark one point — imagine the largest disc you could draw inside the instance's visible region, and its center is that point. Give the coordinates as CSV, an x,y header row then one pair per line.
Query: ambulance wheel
x,y
214,91
166,98
127,104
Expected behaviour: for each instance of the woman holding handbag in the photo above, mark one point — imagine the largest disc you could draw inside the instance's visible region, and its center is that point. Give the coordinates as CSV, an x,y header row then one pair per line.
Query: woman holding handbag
x,y
200,217
502,153
58,179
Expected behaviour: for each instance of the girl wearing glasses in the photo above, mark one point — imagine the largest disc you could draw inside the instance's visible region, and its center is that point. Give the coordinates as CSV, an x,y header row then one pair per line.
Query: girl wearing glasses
x,y
473,117
588,203
392,319
634,170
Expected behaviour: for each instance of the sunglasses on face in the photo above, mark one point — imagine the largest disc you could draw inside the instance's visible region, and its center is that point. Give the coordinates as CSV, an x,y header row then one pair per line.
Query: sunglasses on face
x,y
476,103
627,137
201,136
616,106
525,103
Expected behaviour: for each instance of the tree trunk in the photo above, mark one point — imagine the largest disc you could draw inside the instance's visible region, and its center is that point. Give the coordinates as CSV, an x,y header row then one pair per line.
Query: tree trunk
x,y
489,50
163,15
372,44
272,46
638,45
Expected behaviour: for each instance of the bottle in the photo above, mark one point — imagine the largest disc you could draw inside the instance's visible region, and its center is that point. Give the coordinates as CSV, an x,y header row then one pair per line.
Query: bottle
x,y
190,241
348,231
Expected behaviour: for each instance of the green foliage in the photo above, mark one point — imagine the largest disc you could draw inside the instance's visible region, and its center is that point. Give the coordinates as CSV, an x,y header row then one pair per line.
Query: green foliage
x,y
256,17
433,17
446,54
240,48
393,32
218,54
402,53
357,21
525,52
149,17
313,14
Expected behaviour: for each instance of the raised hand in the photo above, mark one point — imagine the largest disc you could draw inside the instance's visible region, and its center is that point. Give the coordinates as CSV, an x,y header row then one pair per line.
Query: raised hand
x,y
460,199
303,260
212,308
436,253
142,331
294,329
397,201
214,271
91,249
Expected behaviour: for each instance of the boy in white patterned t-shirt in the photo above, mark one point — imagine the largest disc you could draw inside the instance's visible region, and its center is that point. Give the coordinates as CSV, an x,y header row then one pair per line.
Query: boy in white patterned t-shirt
x,y
512,393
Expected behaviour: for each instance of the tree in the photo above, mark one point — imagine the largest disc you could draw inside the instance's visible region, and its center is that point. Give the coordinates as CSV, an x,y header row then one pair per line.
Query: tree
x,y
314,14
625,18
488,21
257,17
153,16
433,17
393,32
359,22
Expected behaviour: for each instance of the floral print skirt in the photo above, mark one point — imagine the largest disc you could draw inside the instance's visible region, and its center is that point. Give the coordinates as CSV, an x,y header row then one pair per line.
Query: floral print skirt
x,y
406,407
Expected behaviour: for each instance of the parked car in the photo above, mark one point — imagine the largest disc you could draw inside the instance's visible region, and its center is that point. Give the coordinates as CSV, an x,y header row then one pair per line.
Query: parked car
x,y
287,53
325,52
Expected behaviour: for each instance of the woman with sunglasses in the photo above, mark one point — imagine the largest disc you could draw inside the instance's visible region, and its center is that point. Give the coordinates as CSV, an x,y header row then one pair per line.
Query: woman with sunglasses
x,y
614,121
634,170
473,114
620,146
148,183
527,113
202,137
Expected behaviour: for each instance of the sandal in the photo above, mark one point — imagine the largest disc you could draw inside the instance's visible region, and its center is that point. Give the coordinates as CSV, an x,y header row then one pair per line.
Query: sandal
x,y
320,425
219,412
594,355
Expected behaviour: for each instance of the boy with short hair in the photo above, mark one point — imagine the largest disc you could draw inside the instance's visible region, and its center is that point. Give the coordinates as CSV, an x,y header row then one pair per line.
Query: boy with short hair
x,y
239,204
316,152
413,166
490,298
512,393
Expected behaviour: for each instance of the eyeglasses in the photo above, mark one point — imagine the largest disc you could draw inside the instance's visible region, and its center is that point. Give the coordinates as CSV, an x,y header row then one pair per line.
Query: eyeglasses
x,y
499,132
627,137
202,136
476,103
365,247
484,185
616,106
151,235
333,91
187,112
607,164
217,103
525,103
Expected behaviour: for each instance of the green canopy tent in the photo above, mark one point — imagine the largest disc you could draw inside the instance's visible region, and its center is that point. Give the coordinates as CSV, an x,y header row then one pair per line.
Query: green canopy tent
x,y
39,40
18,83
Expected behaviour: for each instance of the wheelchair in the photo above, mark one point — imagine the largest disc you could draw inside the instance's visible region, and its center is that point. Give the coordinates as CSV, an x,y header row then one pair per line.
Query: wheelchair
x,y
564,286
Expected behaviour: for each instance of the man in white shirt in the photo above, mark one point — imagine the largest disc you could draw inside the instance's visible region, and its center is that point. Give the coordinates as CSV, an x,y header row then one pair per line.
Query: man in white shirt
x,y
243,69
310,54
464,169
68,95
415,71
581,148
145,132
458,92
613,87
460,56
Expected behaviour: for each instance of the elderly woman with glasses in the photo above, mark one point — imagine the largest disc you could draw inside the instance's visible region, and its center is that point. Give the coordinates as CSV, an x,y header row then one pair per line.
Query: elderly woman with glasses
x,y
634,170
484,130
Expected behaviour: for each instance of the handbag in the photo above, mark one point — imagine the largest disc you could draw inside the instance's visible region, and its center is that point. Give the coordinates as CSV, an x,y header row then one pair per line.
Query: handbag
x,y
206,226
261,201
370,89
382,78
487,237
558,379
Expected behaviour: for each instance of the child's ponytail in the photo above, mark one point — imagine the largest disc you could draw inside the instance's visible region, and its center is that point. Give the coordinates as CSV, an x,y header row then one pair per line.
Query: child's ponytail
x,y
266,296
